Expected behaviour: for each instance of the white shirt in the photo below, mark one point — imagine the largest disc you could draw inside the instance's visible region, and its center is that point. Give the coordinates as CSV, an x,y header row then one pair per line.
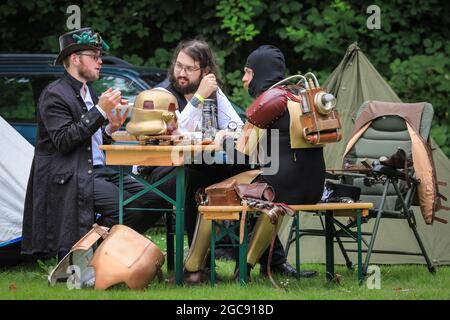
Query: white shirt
x,y
191,116
97,139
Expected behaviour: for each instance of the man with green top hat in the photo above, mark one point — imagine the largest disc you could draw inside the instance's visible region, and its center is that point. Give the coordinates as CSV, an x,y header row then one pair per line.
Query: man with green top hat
x,y
69,183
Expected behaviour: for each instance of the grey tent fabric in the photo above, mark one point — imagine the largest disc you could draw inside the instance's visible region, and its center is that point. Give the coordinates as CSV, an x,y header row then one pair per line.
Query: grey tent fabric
x,y
353,82
15,162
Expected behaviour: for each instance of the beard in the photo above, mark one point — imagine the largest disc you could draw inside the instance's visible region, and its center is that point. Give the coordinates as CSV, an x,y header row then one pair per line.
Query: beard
x,y
188,88
87,74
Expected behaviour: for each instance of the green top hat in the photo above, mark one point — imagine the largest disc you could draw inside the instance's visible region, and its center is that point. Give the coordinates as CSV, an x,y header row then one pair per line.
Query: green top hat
x,y
79,40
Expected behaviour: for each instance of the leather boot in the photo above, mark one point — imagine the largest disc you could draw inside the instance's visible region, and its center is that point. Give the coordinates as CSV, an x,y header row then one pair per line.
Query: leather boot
x,y
287,270
197,277
192,278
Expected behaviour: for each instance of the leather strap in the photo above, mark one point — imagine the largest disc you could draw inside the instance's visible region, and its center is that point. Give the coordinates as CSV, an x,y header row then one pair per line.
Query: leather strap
x,y
441,220
243,219
269,261
100,231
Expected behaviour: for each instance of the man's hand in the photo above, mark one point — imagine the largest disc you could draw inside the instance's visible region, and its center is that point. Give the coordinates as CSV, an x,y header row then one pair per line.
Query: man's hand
x,y
109,100
207,86
116,121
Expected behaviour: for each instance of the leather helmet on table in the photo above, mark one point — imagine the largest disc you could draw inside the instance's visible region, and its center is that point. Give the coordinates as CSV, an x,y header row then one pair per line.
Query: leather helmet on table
x,y
153,113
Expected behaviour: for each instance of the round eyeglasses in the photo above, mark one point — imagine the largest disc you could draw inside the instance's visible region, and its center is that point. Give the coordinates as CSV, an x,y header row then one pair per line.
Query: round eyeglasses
x,y
187,69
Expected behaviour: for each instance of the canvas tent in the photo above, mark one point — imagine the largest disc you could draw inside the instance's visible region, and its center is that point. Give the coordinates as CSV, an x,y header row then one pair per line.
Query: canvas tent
x,y
16,156
354,81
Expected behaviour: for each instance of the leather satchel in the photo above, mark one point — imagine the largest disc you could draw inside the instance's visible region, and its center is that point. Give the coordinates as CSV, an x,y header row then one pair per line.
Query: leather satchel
x,y
229,193
224,193
257,190
258,195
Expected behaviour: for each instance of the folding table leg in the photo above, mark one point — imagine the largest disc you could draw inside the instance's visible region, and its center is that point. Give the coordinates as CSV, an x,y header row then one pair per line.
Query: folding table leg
x,y
243,258
212,278
329,248
297,242
358,228
170,241
179,225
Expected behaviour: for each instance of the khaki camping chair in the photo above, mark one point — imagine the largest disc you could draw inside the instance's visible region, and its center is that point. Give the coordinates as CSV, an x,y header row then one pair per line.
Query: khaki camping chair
x,y
385,187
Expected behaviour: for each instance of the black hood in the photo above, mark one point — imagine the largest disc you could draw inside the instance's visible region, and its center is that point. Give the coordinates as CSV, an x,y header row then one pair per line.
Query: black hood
x,y
267,63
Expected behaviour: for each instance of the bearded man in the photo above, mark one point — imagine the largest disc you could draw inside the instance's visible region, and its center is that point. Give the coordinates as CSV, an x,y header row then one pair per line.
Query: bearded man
x,y
194,76
70,187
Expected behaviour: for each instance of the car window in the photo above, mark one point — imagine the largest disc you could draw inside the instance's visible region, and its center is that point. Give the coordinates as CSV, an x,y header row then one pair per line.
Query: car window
x,y
19,95
128,88
153,79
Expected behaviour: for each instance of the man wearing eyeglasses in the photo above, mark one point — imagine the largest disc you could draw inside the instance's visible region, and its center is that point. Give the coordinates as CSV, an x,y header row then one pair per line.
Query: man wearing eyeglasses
x,y
69,182
194,76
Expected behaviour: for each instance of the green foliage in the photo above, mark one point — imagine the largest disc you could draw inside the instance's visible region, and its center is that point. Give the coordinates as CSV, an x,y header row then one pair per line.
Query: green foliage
x,y
161,58
238,93
237,16
325,33
410,50
46,266
441,134
427,78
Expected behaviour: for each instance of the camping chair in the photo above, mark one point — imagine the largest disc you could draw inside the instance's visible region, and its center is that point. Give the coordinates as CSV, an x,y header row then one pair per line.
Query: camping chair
x,y
385,187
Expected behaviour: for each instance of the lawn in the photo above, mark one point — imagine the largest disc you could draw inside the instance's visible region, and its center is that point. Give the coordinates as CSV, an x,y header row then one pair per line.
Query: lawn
x,y
397,282
29,282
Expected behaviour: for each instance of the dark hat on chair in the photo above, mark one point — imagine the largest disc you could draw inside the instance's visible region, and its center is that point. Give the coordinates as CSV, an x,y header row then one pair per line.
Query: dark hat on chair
x,y
339,192
79,40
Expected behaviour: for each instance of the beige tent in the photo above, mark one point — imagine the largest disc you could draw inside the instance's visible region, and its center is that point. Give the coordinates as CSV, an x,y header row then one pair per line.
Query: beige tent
x,y
354,81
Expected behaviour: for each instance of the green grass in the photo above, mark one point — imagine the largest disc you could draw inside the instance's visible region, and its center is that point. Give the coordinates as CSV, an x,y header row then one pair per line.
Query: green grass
x,y
397,282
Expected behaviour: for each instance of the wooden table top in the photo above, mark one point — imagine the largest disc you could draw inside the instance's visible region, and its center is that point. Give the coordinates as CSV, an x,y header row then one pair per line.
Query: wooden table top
x,y
339,209
299,207
134,154
137,147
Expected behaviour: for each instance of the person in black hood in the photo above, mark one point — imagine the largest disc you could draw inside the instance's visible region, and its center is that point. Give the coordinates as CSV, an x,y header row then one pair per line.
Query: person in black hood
x,y
301,173
269,63
264,68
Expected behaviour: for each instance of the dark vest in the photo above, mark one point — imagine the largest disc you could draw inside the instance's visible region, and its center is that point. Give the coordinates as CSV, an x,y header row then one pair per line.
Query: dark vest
x,y
182,102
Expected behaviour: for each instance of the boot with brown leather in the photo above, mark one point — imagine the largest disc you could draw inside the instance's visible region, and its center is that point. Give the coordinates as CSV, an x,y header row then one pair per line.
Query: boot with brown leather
x,y
286,269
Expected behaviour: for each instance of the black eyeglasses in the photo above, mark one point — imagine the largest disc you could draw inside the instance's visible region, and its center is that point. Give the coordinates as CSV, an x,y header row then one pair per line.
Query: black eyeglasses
x,y
94,57
188,69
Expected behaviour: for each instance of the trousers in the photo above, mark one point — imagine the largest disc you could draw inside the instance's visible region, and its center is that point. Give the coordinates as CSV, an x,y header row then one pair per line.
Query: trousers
x,y
106,201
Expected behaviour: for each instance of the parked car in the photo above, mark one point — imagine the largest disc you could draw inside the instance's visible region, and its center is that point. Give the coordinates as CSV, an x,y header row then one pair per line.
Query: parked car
x,y
24,76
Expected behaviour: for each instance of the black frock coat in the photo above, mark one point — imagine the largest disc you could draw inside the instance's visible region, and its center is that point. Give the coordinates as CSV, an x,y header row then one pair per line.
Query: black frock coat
x,y
59,203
